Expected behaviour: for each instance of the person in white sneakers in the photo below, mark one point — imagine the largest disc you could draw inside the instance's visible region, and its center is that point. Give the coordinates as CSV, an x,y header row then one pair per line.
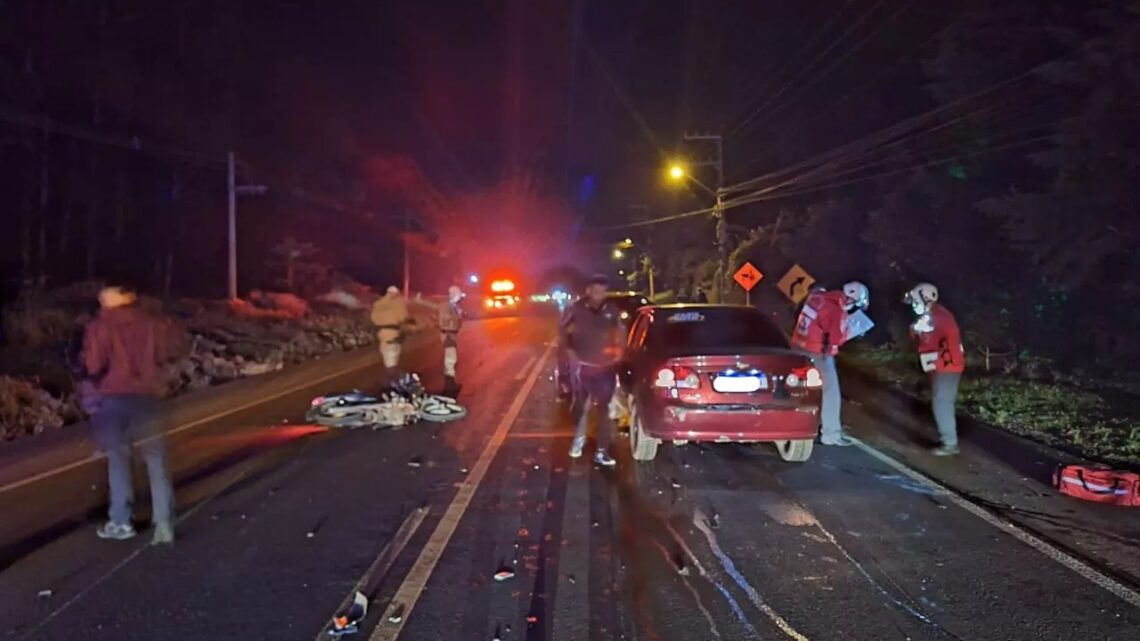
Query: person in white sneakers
x,y
590,335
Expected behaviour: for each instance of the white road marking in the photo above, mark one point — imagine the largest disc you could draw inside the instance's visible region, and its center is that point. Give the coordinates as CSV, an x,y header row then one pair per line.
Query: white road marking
x,y
733,604
186,426
572,608
382,564
525,368
1050,551
410,590
753,596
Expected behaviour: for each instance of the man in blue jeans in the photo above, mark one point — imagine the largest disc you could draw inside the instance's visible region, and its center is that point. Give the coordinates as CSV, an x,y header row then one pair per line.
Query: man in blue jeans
x,y
124,350
590,334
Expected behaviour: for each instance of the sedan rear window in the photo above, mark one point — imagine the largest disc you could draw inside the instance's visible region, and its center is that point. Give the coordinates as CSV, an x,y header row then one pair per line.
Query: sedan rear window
x,y
711,330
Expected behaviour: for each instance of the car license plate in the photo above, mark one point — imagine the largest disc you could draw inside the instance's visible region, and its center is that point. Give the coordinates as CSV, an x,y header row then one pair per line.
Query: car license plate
x,y
729,384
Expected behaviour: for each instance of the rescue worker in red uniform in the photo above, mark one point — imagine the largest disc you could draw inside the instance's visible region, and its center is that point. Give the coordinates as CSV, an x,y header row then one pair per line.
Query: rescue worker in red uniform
x,y
942,357
820,331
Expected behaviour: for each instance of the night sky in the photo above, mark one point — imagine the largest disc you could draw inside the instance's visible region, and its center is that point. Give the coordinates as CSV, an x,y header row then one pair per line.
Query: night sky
x,y
475,117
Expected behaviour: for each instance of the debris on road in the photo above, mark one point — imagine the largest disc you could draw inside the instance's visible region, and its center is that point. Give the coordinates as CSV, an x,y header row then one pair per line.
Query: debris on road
x,y
349,622
676,484
45,594
415,461
504,573
679,563
714,520
397,615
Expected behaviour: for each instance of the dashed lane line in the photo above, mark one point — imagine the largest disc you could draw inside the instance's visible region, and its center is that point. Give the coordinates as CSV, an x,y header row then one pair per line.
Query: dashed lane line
x,y
381,565
413,585
572,609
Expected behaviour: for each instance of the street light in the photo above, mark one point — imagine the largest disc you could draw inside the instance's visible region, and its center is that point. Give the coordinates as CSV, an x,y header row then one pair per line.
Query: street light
x,y
677,172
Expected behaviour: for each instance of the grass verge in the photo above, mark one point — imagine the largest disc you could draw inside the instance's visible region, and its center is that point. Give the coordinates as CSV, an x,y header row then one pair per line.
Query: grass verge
x,y
1100,424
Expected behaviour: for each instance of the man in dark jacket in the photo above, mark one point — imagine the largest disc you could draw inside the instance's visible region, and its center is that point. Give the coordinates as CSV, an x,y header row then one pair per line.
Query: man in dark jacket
x,y
124,351
589,334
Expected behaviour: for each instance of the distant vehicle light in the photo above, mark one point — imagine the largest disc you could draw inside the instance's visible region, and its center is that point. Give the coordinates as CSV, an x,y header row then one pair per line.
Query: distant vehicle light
x,y
490,302
473,279
503,286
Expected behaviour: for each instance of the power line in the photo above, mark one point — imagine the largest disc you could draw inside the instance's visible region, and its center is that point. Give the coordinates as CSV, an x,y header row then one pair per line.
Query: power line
x,y
748,198
763,195
902,125
654,221
132,143
819,77
764,84
743,124
195,158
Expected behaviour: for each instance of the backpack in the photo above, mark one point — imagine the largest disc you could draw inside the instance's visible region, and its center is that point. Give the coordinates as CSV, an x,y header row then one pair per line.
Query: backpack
x,y
1099,484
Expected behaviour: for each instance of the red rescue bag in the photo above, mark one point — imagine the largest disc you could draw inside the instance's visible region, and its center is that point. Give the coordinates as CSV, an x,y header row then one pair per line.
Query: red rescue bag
x,y
1098,484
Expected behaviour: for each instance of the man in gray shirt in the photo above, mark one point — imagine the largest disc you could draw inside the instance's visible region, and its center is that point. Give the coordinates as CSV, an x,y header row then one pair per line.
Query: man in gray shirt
x,y
590,335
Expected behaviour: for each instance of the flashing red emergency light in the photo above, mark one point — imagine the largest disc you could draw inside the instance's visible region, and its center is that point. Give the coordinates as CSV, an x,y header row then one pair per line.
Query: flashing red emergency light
x,y
503,286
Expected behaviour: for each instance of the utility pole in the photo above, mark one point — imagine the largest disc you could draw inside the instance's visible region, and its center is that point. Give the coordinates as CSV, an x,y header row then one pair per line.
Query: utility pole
x,y
233,190
407,254
647,262
232,199
718,207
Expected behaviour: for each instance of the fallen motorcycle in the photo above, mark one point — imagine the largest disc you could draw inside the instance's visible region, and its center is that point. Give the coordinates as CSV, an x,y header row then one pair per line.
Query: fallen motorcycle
x,y
356,409
404,403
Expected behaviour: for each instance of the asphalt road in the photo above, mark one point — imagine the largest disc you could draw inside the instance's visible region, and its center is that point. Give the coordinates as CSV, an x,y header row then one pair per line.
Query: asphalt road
x,y
717,542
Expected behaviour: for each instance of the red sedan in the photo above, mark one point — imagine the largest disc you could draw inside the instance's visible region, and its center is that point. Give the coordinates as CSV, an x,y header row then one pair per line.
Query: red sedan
x,y
717,373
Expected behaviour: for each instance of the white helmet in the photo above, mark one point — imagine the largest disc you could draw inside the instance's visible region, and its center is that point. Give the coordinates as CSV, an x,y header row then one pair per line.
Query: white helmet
x,y
921,297
858,296
454,294
393,290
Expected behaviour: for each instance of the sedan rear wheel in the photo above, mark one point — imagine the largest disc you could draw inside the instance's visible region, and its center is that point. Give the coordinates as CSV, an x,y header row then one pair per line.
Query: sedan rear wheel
x,y
796,451
643,445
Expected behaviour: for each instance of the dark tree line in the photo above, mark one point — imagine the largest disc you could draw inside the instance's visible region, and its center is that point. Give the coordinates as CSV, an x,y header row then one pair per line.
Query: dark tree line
x,y
1021,206
114,127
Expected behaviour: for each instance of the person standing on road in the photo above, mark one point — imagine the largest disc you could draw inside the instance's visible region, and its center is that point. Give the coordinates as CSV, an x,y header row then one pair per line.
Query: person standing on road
x,y
125,350
820,331
450,318
589,336
943,358
389,315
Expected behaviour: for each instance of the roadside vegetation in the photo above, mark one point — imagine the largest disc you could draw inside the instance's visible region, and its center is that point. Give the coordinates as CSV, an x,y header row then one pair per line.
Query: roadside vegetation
x,y
1097,419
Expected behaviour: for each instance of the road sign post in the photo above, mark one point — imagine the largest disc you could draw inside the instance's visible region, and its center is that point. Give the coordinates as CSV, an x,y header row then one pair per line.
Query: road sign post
x,y
747,277
796,284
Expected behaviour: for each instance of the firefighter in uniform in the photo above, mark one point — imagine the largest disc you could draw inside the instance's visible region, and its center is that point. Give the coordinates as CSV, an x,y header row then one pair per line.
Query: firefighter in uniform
x,y
389,315
450,318
942,357
820,331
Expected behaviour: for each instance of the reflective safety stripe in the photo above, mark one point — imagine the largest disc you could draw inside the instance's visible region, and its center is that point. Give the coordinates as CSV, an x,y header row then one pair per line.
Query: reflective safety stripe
x,y
929,361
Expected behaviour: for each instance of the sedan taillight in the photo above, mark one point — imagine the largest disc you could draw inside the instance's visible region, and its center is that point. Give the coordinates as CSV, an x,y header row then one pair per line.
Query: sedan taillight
x,y
677,378
804,377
